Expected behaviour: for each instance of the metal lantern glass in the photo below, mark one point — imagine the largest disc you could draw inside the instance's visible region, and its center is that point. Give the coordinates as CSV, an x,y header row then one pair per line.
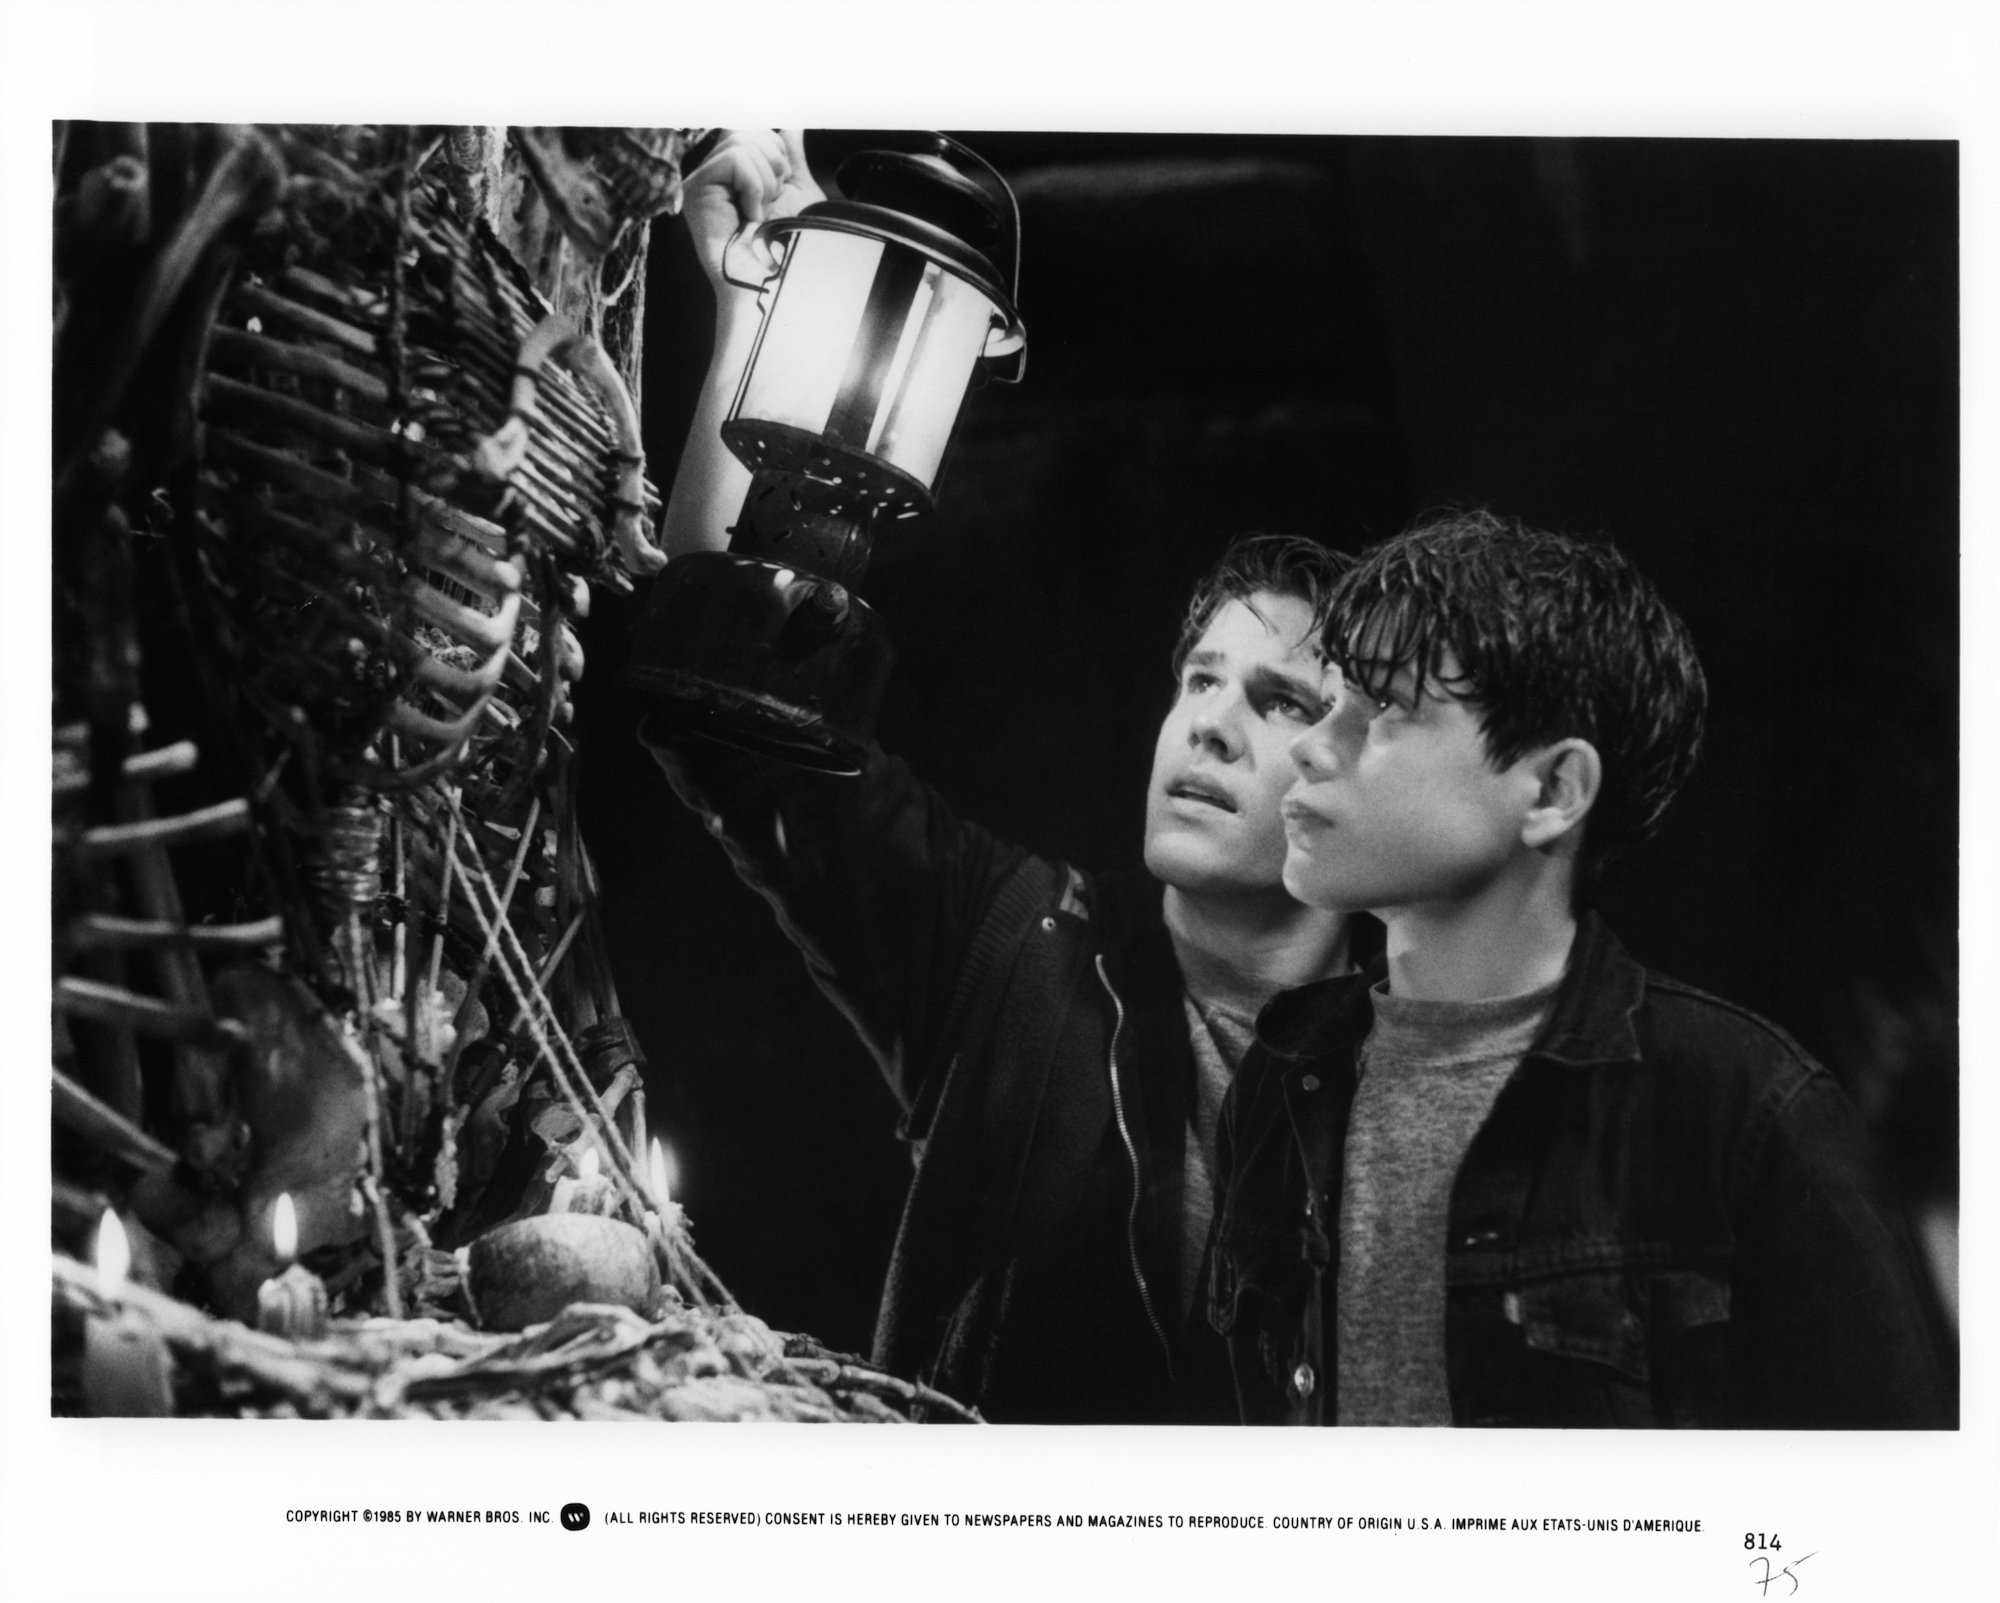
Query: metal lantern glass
x,y
863,359
870,346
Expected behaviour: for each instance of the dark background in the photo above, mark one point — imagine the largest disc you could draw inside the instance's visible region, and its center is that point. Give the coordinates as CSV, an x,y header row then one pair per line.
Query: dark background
x,y
1738,359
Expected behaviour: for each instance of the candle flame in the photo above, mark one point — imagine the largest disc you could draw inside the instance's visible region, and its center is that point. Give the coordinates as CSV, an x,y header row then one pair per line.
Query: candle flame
x,y
285,1227
114,1254
588,1166
662,1167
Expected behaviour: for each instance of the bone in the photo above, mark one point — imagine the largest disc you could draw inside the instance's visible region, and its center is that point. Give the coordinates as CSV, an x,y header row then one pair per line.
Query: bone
x,y
268,303
230,817
102,1127
460,622
108,932
164,763
107,1004
236,349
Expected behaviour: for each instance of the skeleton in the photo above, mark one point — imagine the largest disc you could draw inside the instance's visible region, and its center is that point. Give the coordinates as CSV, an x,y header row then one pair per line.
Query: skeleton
x,y
302,384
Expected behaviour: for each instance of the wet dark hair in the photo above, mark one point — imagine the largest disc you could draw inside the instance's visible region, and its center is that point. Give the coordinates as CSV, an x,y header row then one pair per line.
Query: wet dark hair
x,y
1553,638
1283,564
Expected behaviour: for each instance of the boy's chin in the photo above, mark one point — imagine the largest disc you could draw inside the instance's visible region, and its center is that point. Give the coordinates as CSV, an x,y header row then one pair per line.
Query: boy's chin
x,y
1308,882
1192,868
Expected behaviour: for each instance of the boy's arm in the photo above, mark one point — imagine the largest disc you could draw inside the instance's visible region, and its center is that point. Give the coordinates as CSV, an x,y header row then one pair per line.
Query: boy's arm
x,y
1835,1323
874,879
752,175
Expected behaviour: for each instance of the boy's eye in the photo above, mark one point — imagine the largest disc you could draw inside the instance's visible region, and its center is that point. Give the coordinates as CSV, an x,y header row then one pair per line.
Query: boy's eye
x,y
1197,680
1371,707
1372,703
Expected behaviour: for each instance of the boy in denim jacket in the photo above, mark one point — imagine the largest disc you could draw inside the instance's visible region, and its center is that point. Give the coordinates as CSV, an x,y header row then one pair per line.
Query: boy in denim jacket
x,y
1509,1176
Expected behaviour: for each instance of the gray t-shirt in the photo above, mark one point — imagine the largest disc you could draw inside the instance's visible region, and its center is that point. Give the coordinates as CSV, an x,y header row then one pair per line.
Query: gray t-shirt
x,y
1430,1072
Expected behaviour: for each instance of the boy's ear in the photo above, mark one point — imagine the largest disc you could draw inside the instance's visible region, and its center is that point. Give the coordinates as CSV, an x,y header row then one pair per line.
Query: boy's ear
x,y
1569,775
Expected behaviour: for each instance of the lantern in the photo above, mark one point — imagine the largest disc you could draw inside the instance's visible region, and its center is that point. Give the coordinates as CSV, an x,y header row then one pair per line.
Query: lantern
x,y
886,302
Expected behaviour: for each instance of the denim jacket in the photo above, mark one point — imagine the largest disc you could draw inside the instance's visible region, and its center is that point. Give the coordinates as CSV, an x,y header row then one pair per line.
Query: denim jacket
x,y
1664,1220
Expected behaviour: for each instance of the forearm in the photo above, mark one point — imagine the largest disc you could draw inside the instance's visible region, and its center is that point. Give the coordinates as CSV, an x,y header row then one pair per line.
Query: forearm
x,y
709,483
752,176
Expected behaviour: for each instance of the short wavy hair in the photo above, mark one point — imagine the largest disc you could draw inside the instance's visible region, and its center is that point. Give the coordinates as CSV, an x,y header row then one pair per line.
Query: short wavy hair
x,y
1280,564
1552,638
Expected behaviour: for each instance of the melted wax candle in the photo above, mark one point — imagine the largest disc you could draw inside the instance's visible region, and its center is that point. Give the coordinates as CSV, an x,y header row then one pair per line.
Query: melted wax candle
x,y
126,1372
590,1192
291,1304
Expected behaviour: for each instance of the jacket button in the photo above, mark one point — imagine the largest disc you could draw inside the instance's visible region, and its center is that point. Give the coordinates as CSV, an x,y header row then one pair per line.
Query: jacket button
x,y
1049,925
1302,1380
1310,1082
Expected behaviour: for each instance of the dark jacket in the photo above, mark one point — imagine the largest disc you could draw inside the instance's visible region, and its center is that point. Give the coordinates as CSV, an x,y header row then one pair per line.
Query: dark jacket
x,y
1028,1019
1665,1220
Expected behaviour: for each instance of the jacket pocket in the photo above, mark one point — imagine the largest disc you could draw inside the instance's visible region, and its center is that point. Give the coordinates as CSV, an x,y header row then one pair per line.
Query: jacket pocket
x,y
1247,1265
1260,1294
1587,1316
1685,1301
1694,1382
1627,1344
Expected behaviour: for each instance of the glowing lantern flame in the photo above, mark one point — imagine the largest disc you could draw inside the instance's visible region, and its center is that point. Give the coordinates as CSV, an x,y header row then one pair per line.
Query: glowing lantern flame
x,y
114,1254
285,1227
589,1164
662,1174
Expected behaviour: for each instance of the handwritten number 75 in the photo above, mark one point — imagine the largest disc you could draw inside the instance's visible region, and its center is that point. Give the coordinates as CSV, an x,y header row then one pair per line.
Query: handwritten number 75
x,y
1763,1582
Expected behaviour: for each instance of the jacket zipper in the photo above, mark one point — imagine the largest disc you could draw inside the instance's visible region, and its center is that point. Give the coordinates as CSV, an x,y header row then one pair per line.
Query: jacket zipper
x,y
1132,1153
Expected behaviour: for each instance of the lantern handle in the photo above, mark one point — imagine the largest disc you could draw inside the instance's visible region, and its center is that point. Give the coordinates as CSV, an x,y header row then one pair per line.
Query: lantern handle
x,y
1013,208
728,245
1014,278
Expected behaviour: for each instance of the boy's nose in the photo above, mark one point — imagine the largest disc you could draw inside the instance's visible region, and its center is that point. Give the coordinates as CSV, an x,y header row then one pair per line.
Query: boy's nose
x,y
1218,728
1312,749
1318,751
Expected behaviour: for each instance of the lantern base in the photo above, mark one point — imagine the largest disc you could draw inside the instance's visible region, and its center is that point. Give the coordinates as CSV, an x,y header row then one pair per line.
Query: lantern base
x,y
801,523
843,481
764,658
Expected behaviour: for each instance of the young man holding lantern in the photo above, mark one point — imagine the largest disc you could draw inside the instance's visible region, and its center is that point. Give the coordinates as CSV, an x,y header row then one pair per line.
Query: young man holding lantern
x,y
1059,1041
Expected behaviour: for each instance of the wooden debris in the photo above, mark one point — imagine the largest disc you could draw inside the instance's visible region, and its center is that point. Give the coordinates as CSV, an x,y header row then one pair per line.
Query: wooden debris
x,y
592,1361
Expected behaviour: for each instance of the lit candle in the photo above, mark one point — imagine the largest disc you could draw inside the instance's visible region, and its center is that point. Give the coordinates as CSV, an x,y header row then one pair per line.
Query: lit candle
x,y
292,1304
126,1372
661,1167
590,1192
